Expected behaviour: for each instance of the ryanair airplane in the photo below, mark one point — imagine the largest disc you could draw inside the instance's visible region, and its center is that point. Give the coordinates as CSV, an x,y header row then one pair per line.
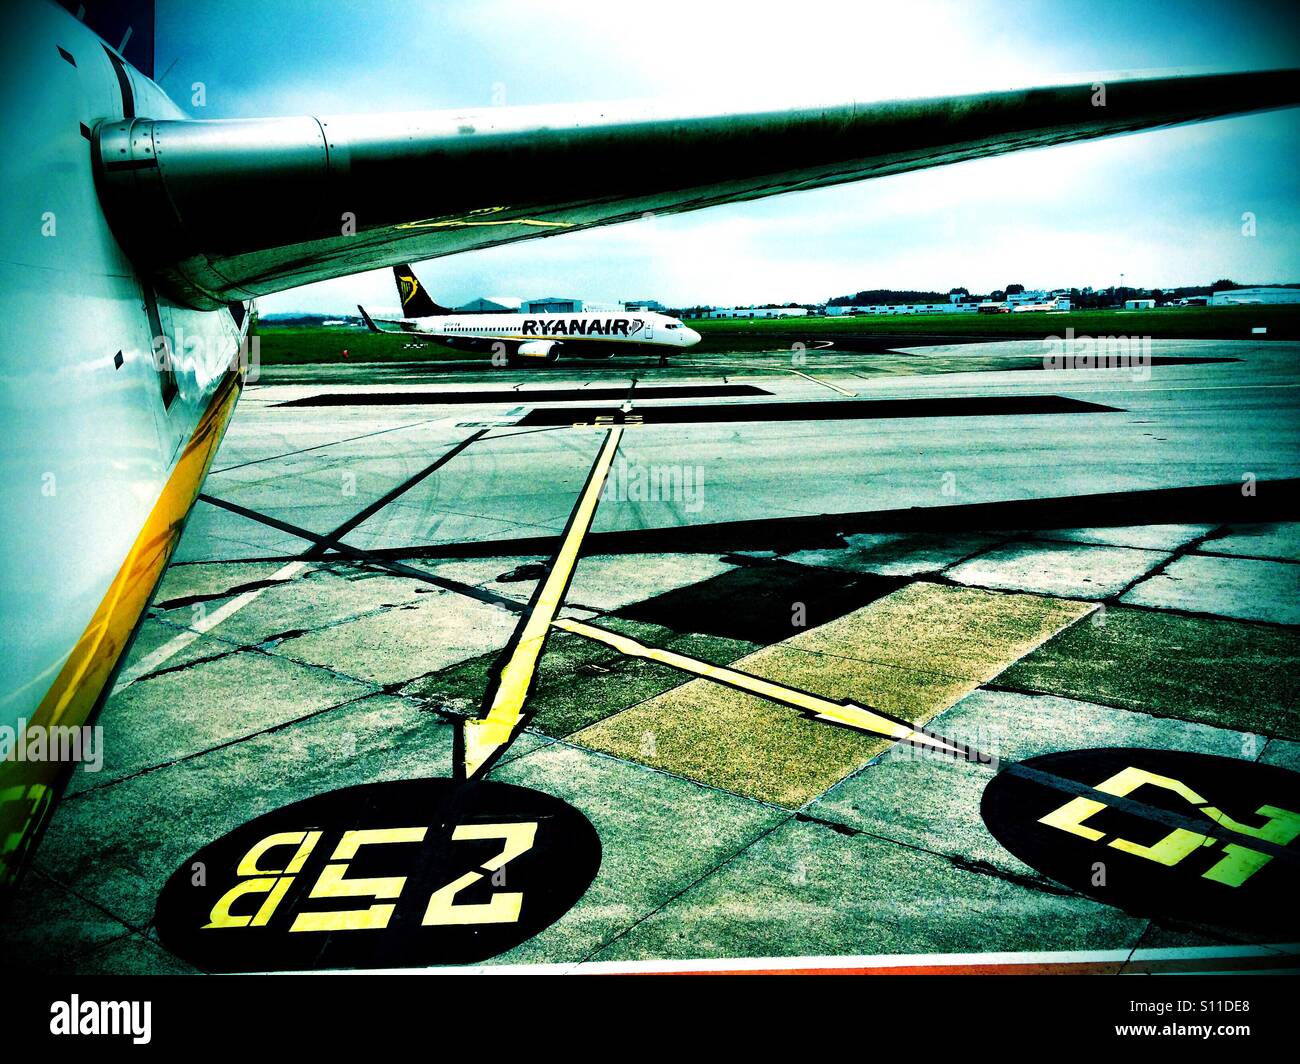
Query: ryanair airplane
x,y
517,339
137,238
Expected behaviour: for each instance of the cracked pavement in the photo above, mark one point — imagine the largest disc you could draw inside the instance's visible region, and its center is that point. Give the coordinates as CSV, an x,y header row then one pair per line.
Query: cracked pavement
x,y
270,668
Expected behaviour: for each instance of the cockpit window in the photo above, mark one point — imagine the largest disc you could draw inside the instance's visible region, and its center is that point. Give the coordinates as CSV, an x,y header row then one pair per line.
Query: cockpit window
x,y
672,326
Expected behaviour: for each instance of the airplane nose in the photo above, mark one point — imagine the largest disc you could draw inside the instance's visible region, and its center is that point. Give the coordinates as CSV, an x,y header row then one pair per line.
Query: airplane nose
x,y
691,337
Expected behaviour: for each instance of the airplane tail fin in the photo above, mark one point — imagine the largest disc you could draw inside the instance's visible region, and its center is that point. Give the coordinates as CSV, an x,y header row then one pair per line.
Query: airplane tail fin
x,y
415,300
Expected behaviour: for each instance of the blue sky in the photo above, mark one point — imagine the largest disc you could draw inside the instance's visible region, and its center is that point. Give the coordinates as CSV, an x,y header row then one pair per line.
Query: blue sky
x,y
1163,208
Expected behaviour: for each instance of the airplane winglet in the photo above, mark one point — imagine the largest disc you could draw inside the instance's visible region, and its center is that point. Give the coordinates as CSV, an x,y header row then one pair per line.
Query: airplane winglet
x,y
370,322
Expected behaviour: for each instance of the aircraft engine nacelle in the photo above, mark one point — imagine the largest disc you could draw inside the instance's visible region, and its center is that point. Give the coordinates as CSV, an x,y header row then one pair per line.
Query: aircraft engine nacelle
x,y
538,350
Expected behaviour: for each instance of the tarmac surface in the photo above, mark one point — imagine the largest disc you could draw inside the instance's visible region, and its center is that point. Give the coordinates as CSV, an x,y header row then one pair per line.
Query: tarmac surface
x,y
1026,560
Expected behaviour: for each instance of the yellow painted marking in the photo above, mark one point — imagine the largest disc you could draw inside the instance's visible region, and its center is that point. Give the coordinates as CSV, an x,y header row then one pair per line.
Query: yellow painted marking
x,y
846,713
486,735
501,908
465,223
630,421
825,384
334,883
1240,861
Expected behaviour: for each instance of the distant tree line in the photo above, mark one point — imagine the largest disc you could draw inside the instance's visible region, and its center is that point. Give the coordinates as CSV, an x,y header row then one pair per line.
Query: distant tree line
x,y
874,296
1081,298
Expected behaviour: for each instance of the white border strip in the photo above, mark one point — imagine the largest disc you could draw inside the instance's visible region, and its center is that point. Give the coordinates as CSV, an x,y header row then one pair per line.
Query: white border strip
x,y
1135,958
151,662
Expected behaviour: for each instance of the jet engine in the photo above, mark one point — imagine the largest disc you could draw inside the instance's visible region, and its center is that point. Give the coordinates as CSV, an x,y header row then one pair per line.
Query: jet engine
x,y
538,350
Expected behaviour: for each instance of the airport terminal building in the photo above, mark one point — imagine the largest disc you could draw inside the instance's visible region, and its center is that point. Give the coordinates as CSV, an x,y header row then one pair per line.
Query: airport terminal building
x,y
755,312
904,308
958,304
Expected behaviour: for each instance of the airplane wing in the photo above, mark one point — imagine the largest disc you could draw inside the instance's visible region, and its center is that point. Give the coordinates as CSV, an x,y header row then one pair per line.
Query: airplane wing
x,y
224,210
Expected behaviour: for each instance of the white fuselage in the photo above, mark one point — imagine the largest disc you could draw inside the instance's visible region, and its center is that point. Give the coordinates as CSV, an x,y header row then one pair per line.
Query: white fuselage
x,y
101,452
575,333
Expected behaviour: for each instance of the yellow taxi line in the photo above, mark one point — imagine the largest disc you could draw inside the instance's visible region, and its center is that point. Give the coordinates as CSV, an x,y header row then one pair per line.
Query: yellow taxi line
x,y
824,384
846,713
486,736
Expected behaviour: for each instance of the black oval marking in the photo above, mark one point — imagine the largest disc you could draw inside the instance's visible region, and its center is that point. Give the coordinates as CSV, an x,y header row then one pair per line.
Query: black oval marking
x,y
1151,868
433,872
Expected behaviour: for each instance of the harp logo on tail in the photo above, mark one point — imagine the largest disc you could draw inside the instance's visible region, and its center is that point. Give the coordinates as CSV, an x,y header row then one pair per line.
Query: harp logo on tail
x,y
408,286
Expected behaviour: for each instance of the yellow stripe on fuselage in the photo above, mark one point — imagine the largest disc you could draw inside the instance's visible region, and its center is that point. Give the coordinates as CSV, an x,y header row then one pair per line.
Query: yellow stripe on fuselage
x,y
76,689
